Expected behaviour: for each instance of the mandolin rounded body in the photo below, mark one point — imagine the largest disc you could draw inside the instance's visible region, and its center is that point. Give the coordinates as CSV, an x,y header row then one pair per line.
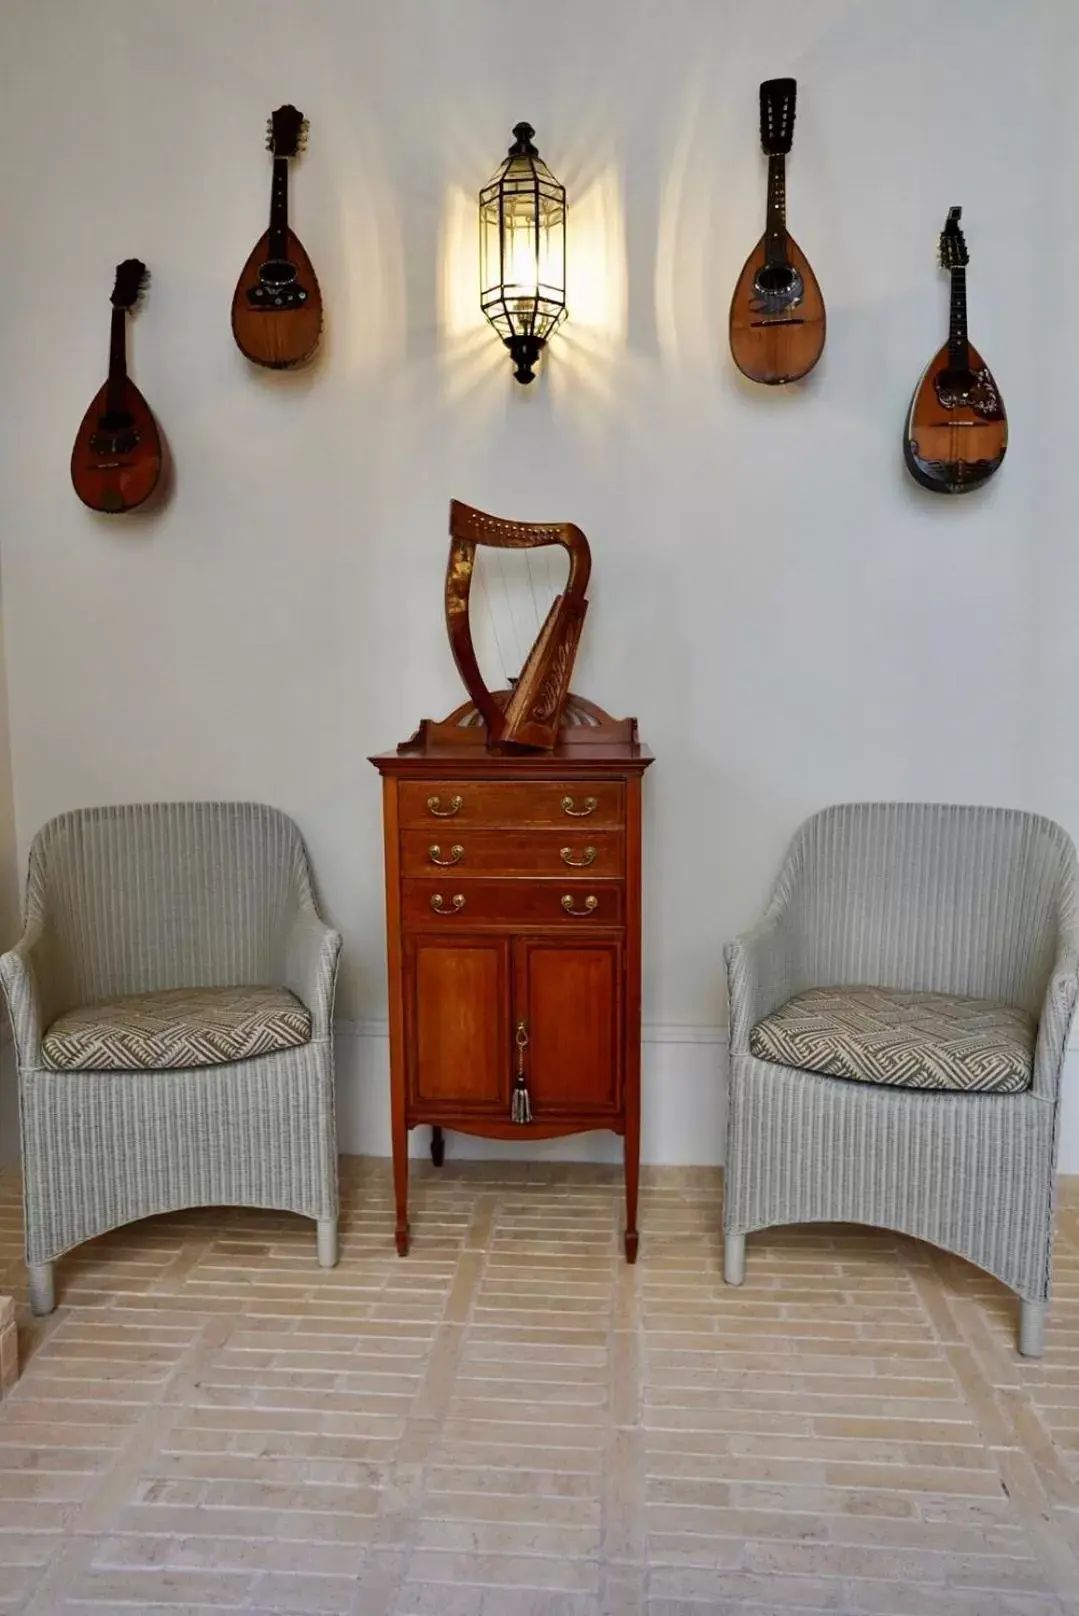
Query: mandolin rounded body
x,y
957,431
278,337
779,346
116,462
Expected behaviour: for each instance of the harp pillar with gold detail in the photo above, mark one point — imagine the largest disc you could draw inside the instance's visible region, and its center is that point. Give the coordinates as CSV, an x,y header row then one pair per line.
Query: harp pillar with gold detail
x,y
512,836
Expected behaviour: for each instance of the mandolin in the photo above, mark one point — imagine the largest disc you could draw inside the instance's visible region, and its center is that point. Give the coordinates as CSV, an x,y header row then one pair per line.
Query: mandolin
x,y
277,306
957,430
116,461
777,312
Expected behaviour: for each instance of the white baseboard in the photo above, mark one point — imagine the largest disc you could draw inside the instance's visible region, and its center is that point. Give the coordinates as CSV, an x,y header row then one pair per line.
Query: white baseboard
x,y
683,1103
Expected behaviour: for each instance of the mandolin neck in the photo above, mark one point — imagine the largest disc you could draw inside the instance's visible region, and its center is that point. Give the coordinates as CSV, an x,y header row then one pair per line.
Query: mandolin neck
x,y
114,398
958,347
775,229
279,209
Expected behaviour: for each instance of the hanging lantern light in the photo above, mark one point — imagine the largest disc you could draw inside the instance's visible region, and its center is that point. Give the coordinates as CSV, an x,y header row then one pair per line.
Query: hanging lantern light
x,y
523,252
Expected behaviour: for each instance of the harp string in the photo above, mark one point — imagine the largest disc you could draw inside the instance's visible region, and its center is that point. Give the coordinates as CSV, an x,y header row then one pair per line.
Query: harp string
x,y
513,595
489,616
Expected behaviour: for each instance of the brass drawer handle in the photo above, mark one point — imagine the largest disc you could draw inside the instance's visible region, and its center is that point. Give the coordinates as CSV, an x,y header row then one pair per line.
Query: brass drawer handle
x,y
587,857
434,853
590,905
438,904
435,806
590,806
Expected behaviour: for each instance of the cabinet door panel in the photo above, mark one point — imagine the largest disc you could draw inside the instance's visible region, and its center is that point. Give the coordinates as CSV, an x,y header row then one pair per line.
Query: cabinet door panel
x,y
457,1004
570,998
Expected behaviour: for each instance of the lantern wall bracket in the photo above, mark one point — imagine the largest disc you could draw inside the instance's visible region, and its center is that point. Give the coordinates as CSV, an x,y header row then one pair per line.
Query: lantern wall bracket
x,y
525,352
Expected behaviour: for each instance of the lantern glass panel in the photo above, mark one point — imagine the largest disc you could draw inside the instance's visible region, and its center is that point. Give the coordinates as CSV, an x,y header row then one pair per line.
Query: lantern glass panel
x,y
523,249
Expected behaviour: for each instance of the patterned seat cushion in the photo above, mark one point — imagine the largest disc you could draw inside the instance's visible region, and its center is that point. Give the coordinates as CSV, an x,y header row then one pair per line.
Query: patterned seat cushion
x,y
914,1040
183,1027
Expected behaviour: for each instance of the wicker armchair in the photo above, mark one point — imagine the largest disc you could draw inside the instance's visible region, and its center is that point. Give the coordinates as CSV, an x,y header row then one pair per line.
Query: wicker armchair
x,y
172,1004
967,918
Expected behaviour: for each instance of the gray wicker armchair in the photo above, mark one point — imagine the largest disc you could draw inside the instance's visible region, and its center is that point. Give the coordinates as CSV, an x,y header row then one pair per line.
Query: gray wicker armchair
x,y
930,1107
172,1006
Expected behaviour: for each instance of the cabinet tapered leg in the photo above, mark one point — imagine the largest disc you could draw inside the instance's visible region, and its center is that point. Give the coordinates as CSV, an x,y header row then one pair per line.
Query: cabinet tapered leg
x,y
438,1147
633,1162
400,1195
400,1181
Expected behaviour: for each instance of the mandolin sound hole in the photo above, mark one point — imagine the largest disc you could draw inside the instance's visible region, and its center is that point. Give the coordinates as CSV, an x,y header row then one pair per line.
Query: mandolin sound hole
x,y
778,287
958,383
277,272
114,421
116,434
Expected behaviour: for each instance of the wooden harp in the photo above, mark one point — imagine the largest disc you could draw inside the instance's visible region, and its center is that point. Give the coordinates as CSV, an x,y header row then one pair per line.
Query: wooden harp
x,y
530,712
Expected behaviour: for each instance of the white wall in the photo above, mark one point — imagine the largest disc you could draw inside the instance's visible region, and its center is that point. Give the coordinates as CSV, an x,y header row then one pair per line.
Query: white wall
x,y
792,620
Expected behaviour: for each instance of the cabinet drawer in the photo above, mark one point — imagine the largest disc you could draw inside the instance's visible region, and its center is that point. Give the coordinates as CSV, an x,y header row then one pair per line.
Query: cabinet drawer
x,y
563,853
453,899
585,804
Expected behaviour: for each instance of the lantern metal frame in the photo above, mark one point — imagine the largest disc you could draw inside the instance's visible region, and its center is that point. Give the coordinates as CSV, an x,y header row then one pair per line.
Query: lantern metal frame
x,y
523,252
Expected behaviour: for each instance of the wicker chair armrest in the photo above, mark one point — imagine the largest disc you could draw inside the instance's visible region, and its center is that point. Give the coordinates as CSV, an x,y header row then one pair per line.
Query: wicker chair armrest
x,y
1058,1008
312,950
25,990
761,974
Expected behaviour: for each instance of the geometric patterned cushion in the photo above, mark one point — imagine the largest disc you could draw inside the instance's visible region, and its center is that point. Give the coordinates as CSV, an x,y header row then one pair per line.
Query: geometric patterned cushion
x,y
183,1027
914,1040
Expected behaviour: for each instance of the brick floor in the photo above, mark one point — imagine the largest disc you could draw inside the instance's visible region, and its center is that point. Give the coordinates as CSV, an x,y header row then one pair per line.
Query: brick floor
x,y
512,1422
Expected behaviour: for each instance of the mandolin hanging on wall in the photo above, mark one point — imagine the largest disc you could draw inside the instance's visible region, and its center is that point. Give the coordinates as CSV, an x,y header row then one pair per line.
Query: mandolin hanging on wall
x,y
957,431
277,305
116,461
777,321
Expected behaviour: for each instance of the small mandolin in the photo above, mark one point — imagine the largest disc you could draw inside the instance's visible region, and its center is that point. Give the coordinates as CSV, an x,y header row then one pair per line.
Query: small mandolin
x,y
957,430
277,306
777,312
116,461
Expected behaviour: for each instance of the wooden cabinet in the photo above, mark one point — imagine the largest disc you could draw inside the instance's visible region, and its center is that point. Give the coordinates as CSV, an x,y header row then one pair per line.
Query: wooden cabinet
x,y
513,903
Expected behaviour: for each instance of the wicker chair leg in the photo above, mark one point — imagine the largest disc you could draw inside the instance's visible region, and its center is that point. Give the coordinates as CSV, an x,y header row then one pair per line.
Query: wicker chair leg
x,y
42,1288
1032,1329
327,1242
734,1258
